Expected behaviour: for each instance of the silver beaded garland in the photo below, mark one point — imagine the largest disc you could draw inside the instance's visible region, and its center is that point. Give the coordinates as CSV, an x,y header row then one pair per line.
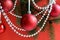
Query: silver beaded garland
x,y
15,29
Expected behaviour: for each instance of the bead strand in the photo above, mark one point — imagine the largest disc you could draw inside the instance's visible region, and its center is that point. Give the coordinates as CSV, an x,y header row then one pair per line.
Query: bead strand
x,y
13,27
16,15
50,2
9,22
34,33
39,13
42,16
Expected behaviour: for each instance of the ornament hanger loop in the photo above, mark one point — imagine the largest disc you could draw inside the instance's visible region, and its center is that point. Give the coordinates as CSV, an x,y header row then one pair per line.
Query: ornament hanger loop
x,y
29,11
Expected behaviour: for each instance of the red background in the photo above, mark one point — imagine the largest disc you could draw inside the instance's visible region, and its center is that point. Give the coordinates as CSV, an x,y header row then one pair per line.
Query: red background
x,y
10,35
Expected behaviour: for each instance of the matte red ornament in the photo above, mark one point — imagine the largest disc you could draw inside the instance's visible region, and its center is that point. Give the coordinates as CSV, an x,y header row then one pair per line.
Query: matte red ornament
x,y
7,5
29,22
55,10
2,28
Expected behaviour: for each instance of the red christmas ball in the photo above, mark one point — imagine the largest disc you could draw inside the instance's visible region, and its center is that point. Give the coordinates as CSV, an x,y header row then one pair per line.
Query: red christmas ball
x,y
7,5
55,10
28,22
2,28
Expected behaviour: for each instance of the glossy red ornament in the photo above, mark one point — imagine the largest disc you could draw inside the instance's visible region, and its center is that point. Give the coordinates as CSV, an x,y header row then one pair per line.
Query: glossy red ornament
x,y
55,10
2,28
29,22
7,5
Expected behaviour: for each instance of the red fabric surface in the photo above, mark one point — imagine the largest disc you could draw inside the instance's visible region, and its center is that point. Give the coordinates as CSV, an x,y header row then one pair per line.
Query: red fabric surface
x,y
10,35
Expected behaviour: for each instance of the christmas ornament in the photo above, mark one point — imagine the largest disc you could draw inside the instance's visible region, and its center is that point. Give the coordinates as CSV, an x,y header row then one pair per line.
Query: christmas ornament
x,y
7,5
28,22
31,22
55,11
